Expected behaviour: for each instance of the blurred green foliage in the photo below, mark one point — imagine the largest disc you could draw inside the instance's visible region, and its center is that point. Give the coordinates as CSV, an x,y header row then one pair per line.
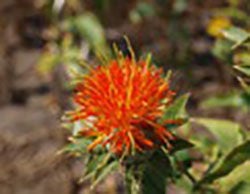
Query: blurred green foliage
x,y
223,151
226,175
89,28
233,49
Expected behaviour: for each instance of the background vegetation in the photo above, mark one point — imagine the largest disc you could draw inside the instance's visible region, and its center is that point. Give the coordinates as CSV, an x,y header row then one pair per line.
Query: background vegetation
x,y
205,43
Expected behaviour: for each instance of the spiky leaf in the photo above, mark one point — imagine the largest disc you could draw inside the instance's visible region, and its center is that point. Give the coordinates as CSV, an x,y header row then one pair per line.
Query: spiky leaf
x,y
237,156
180,144
177,109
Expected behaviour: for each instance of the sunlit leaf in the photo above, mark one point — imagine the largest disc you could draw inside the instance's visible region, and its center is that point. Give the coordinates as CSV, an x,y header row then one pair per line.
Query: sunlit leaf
x,y
243,69
224,131
236,35
243,59
89,27
241,188
177,109
237,156
184,184
222,50
233,99
232,180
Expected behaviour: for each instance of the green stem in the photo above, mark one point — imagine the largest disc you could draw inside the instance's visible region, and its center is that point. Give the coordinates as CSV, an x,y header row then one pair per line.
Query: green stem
x,y
133,183
148,176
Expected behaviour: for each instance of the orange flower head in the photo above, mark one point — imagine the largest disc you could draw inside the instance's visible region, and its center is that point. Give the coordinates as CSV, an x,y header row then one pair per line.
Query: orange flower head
x,y
122,102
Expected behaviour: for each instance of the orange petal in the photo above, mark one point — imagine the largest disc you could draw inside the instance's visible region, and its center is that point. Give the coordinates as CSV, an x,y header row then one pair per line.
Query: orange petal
x,y
95,143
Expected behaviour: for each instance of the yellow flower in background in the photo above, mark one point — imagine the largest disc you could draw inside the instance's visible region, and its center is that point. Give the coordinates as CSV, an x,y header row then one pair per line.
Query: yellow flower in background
x,y
217,25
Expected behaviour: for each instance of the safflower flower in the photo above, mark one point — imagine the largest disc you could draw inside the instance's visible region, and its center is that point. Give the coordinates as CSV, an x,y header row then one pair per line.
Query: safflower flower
x,y
122,102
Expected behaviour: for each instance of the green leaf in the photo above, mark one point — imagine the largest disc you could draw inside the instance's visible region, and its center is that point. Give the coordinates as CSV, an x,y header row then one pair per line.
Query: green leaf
x,y
233,180
78,146
222,50
88,26
243,69
98,165
242,188
93,161
158,169
237,156
176,110
233,99
148,173
224,131
236,35
184,184
184,158
180,144
246,97
104,172
242,58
